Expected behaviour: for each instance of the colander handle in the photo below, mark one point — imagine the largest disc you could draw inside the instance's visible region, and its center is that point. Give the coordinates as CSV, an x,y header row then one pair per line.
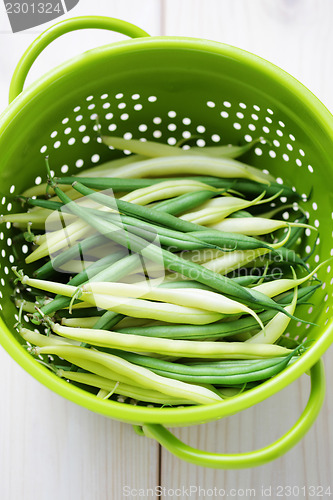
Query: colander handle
x,y
55,31
253,458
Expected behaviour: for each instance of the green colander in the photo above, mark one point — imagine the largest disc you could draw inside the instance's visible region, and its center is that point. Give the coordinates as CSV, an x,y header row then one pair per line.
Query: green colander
x,y
167,88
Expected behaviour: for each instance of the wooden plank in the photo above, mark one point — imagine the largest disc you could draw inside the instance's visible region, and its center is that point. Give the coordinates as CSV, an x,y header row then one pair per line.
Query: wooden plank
x,y
51,448
308,464
294,35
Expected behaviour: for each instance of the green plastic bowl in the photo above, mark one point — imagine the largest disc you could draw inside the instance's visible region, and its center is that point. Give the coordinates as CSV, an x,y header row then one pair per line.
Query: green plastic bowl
x,y
168,88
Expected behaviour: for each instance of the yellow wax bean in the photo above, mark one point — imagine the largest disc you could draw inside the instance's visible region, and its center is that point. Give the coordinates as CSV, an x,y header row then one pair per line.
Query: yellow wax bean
x,y
57,240
185,348
121,388
276,327
275,287
192,165
254,226
217,209
190,297
138,374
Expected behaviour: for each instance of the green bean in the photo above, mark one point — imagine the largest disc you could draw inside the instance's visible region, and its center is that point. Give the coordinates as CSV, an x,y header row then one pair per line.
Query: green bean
x,y
48,204
79,313
108,320
103,170
78,229
167,237
184,202
138,211
240,213
114,268
78,249
228,380
213,238
171,261
229,240
242,280
285,254
244,186
221,368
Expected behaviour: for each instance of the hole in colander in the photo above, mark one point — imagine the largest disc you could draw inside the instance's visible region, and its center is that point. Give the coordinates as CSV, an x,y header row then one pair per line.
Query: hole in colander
x,y
172,127
95,158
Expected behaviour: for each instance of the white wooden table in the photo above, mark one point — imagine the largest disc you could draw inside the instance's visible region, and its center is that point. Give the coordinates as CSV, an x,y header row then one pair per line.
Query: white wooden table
x,y
51,448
